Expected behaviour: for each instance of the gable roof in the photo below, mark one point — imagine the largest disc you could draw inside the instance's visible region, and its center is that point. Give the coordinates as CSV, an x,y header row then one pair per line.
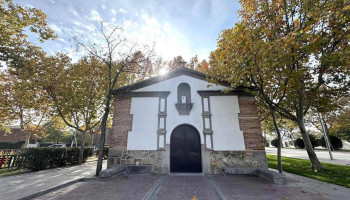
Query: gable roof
x,y
157,79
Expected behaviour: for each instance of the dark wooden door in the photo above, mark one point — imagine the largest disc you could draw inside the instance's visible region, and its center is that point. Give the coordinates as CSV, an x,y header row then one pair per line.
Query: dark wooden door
x,y
185,150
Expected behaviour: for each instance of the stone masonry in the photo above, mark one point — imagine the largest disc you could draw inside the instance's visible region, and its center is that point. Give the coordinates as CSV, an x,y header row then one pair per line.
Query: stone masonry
x,y
223,159
127,157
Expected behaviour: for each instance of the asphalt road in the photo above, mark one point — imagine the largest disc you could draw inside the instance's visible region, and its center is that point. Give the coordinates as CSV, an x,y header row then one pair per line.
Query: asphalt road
x,y
340,157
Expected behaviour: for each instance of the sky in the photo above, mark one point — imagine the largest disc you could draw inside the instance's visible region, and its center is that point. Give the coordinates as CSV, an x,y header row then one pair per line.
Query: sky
x,y
178,27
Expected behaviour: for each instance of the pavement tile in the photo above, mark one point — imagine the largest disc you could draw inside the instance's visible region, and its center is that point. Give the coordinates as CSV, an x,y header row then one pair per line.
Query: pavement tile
x,y
134,187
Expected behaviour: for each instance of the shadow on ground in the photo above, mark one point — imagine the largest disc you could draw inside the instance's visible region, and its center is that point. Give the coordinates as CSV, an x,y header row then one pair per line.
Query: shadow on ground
x,y
163,187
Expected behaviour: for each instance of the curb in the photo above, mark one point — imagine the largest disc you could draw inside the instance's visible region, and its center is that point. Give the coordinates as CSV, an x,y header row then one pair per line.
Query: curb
x,y
41,193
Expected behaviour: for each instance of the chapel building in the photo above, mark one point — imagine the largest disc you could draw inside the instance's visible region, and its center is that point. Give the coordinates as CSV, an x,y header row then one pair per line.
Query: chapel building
x,y
181,123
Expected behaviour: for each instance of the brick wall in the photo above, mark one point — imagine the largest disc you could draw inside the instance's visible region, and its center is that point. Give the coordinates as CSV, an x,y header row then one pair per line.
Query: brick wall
x,y
122,122
15,135
249,123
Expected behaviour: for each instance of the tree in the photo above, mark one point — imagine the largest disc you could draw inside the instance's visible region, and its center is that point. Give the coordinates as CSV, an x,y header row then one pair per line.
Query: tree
x,y
120,57
342,125
159,65
16,52
298,49
24,103
54,131
193,64
203,66
176,63
76,91
14,20
4,103
271,125
328,114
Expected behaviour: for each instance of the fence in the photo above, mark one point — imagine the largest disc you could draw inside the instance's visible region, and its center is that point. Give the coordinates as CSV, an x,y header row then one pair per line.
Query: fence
x,y
10,161
8,151
9,158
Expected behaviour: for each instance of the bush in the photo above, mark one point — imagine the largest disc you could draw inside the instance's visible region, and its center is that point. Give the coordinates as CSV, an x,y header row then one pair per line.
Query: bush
x,y
274,142
43,158
88,152
335,142
11,145
266,143
313,141
299,143
105,152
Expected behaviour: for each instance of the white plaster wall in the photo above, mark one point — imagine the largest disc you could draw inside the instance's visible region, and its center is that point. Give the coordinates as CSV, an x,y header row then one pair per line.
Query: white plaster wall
x,y
143,135
174,119
225,109
227,135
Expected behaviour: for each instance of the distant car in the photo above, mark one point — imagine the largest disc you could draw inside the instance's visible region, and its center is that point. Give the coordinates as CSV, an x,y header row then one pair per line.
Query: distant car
x,y
57,146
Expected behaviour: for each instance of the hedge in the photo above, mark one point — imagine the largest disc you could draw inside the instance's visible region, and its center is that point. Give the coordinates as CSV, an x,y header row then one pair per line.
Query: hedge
x,y
105,152
11,145
335,142
299,143
274,142
43,158
266,143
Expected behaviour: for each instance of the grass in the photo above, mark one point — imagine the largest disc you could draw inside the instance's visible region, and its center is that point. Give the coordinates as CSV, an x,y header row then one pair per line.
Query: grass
x,y
9,172
331,173
317,148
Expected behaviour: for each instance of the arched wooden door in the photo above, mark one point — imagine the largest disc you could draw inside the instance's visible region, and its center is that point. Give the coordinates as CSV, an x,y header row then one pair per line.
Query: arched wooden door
x,y
185,150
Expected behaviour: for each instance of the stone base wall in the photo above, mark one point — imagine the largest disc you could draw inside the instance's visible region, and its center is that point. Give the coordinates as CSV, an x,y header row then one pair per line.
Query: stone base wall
x,y
222,159
215,160
144,157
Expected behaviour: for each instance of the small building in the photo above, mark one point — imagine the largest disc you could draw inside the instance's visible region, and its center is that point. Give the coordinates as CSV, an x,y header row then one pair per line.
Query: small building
x,y
181,123
15,134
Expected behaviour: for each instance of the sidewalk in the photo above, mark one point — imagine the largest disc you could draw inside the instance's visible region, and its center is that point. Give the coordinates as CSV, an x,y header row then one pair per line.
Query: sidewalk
x,y
22,185
323,189
340,157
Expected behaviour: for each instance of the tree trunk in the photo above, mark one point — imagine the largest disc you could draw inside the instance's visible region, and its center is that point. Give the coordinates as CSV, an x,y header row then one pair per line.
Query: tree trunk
x,y
327,131
103,134
27,140
316,165
279,158
81,152
92,139
292,137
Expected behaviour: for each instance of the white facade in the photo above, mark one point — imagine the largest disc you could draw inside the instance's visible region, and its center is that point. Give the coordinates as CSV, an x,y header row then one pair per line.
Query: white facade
x,y
226,136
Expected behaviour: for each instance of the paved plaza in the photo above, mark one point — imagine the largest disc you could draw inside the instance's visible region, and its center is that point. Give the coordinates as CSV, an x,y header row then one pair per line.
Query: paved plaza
x,y
167,187
340,157
49,184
